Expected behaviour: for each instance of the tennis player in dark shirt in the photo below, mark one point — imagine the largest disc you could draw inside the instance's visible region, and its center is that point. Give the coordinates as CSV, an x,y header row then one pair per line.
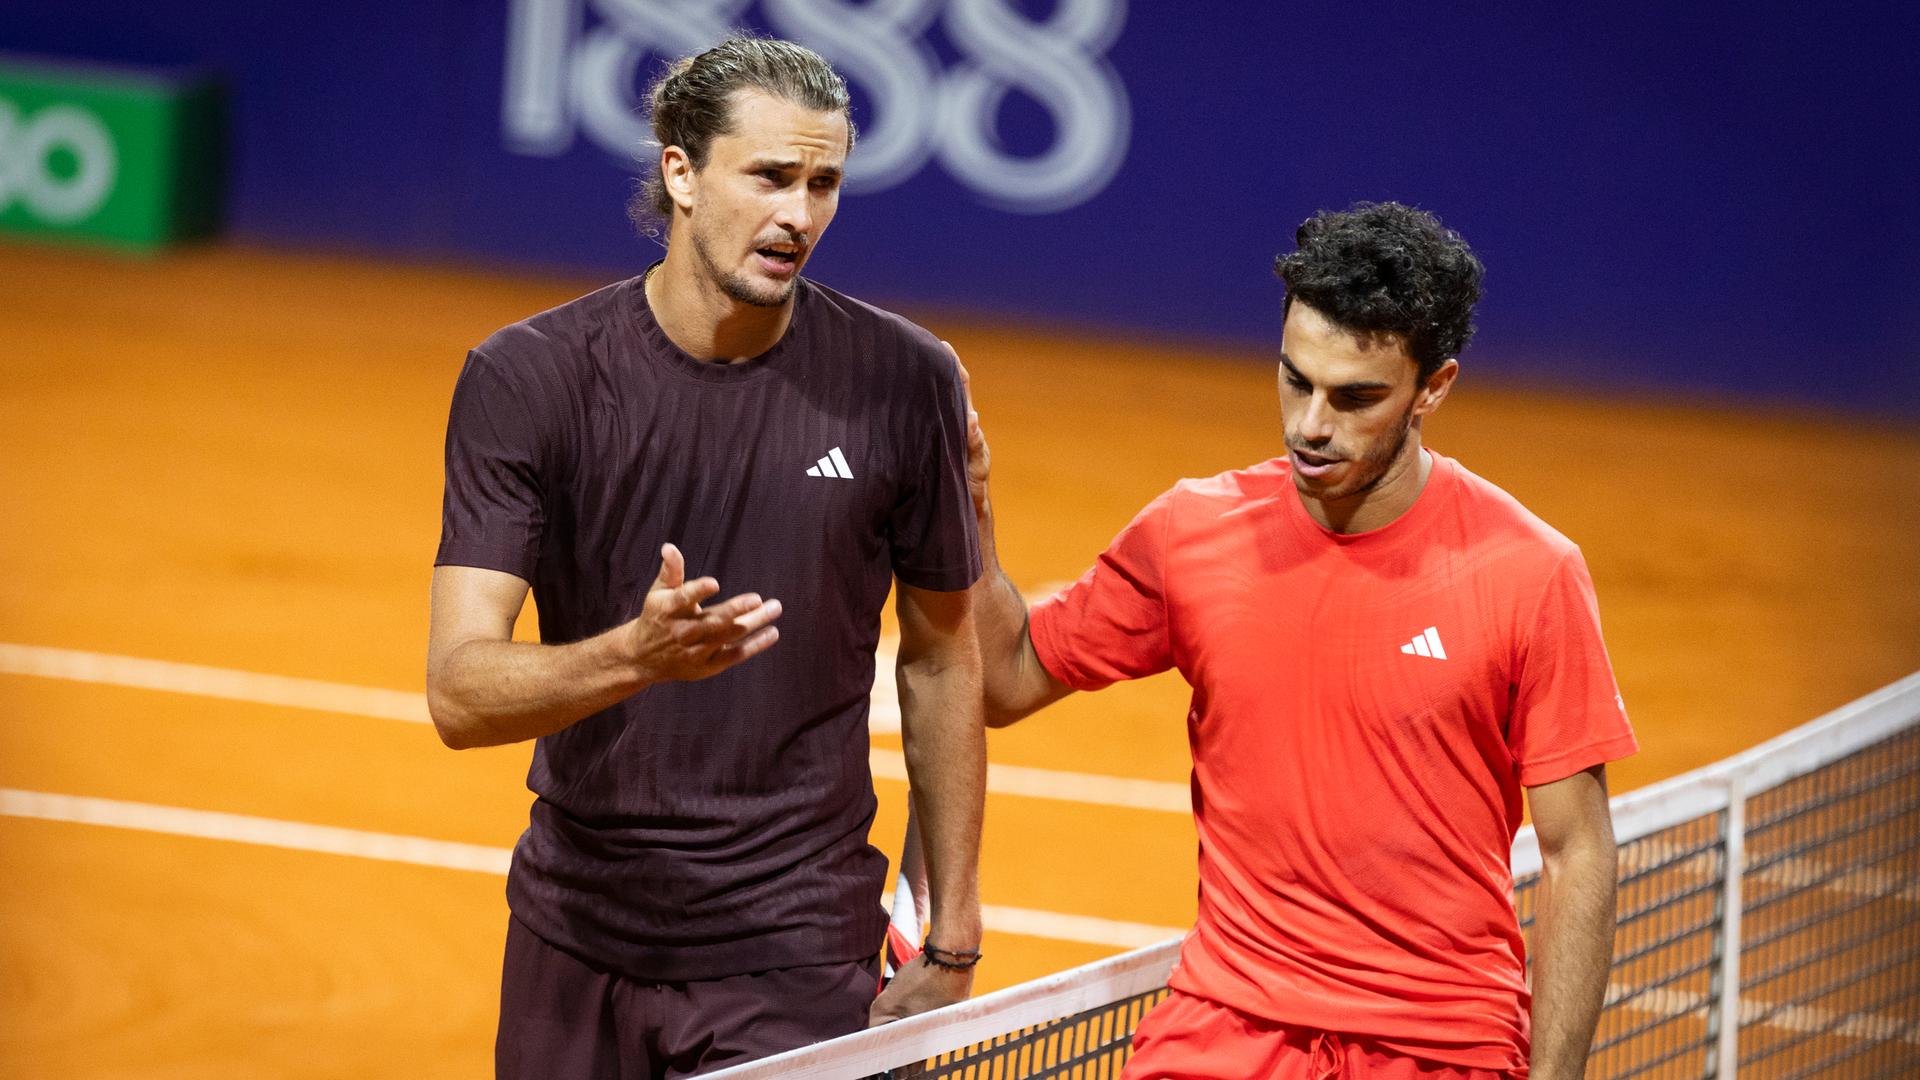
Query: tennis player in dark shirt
x,y
696,888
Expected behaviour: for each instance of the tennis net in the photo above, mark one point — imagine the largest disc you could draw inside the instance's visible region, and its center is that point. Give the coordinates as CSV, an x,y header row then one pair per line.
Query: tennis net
x,y
1804,963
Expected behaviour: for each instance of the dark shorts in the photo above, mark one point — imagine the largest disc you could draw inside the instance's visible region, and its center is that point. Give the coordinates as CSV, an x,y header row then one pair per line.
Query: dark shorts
x,y
563,1019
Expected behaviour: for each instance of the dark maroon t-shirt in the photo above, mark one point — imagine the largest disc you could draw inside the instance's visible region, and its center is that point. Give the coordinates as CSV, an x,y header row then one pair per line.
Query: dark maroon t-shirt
x,y
718,827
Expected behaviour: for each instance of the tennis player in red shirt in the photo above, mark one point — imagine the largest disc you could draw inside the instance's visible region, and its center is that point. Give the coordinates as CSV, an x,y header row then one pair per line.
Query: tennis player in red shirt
x,y
1386,653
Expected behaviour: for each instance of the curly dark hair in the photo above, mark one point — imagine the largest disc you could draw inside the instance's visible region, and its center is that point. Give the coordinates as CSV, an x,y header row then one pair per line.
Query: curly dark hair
x,y
691,102
1387,268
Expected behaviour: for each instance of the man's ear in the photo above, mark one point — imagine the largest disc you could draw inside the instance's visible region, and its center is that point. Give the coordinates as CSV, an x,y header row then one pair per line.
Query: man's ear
x,y
1435,389
678,176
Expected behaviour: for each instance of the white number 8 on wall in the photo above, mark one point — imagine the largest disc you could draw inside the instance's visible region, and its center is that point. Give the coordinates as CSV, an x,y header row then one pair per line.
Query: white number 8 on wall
x,y
562,80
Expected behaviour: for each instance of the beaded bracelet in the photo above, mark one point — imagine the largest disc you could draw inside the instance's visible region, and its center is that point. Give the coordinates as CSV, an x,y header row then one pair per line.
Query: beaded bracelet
x,y
950,959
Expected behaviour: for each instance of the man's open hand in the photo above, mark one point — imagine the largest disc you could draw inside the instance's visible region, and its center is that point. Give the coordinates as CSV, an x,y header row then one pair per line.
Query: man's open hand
x,y
675,639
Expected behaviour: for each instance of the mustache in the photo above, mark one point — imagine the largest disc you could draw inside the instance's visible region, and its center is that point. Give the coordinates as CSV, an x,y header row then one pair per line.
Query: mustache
x,y
798,240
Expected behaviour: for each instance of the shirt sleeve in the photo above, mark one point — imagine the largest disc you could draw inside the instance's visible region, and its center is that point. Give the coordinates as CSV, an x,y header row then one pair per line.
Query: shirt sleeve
x,y
1112,623
935,543
492,510
1567,714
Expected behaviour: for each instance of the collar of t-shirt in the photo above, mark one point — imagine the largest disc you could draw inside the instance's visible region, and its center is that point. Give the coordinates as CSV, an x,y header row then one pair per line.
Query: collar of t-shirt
x,y
1401,530
661,348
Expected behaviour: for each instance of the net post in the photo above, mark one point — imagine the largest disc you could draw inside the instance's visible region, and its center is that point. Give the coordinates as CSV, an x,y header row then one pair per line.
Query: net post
x,y
1727,1051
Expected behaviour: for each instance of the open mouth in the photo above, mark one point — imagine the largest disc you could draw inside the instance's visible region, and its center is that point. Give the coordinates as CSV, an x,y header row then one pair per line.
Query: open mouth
x,y
1312,464
779,258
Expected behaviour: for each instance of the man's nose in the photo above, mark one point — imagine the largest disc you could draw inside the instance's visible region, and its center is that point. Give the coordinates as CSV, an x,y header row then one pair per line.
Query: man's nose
x,y
1316,425
794,212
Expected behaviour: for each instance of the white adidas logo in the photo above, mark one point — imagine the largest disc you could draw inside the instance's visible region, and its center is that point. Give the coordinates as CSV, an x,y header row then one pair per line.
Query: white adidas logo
x,y
1426,643
833,465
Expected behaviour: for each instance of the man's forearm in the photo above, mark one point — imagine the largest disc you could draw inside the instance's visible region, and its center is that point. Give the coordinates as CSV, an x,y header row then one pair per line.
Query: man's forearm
x,y
1572,957
488,693
1012,683
1000,620
946,751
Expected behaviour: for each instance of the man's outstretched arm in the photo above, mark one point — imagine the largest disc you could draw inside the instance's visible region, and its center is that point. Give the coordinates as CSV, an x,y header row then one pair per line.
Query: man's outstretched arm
x,y
946,751
1014,683
485,689
1573,930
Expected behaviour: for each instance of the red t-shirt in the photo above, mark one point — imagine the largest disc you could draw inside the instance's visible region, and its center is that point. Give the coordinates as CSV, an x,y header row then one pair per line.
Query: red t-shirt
x,y
1366,710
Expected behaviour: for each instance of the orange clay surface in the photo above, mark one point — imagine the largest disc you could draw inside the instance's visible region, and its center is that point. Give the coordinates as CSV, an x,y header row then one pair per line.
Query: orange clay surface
x,y
231,458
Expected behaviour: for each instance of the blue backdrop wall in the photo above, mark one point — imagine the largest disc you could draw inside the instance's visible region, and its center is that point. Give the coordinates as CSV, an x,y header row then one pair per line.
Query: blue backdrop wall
x,y
1697,199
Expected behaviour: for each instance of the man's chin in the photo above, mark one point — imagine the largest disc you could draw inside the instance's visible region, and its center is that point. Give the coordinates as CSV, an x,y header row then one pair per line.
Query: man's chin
x,y
1307,485
759,293
1330,490
1318,489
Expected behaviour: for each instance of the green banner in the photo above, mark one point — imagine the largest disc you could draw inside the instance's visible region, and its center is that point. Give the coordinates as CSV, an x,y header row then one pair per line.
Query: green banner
x,y
108,155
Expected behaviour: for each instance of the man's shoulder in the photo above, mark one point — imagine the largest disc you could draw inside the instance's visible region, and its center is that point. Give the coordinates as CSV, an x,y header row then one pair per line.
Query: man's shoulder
x,y
554,341
905,340
1494,514
1261,482
1228,500
1493,535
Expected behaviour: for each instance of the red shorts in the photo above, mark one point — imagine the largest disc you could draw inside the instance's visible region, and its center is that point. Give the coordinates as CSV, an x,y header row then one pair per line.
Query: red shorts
x,y
1191,1038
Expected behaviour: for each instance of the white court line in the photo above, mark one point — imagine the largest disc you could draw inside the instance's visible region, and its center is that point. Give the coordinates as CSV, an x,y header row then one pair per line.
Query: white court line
x,y
202,681
419,851
1081,928
1053,784
1804,1019
1794,873
244,829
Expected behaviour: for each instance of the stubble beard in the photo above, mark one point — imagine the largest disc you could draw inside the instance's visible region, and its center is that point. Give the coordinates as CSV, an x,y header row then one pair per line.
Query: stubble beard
x,y
1383,464
739,287
1374,466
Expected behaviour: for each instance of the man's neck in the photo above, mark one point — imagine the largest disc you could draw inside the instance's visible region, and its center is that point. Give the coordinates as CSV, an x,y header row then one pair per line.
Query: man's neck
x,y
1382,504
703,320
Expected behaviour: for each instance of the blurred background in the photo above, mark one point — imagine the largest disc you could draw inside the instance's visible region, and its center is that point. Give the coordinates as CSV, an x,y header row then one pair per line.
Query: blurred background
x,y
1699,198
244,249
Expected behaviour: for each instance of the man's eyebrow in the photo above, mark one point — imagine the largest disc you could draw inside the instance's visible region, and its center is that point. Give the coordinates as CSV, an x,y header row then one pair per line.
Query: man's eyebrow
x,y
789,165
1346,388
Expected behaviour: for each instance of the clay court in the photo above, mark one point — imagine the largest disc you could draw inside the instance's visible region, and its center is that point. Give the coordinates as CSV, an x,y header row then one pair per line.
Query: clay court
x,y
227,460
